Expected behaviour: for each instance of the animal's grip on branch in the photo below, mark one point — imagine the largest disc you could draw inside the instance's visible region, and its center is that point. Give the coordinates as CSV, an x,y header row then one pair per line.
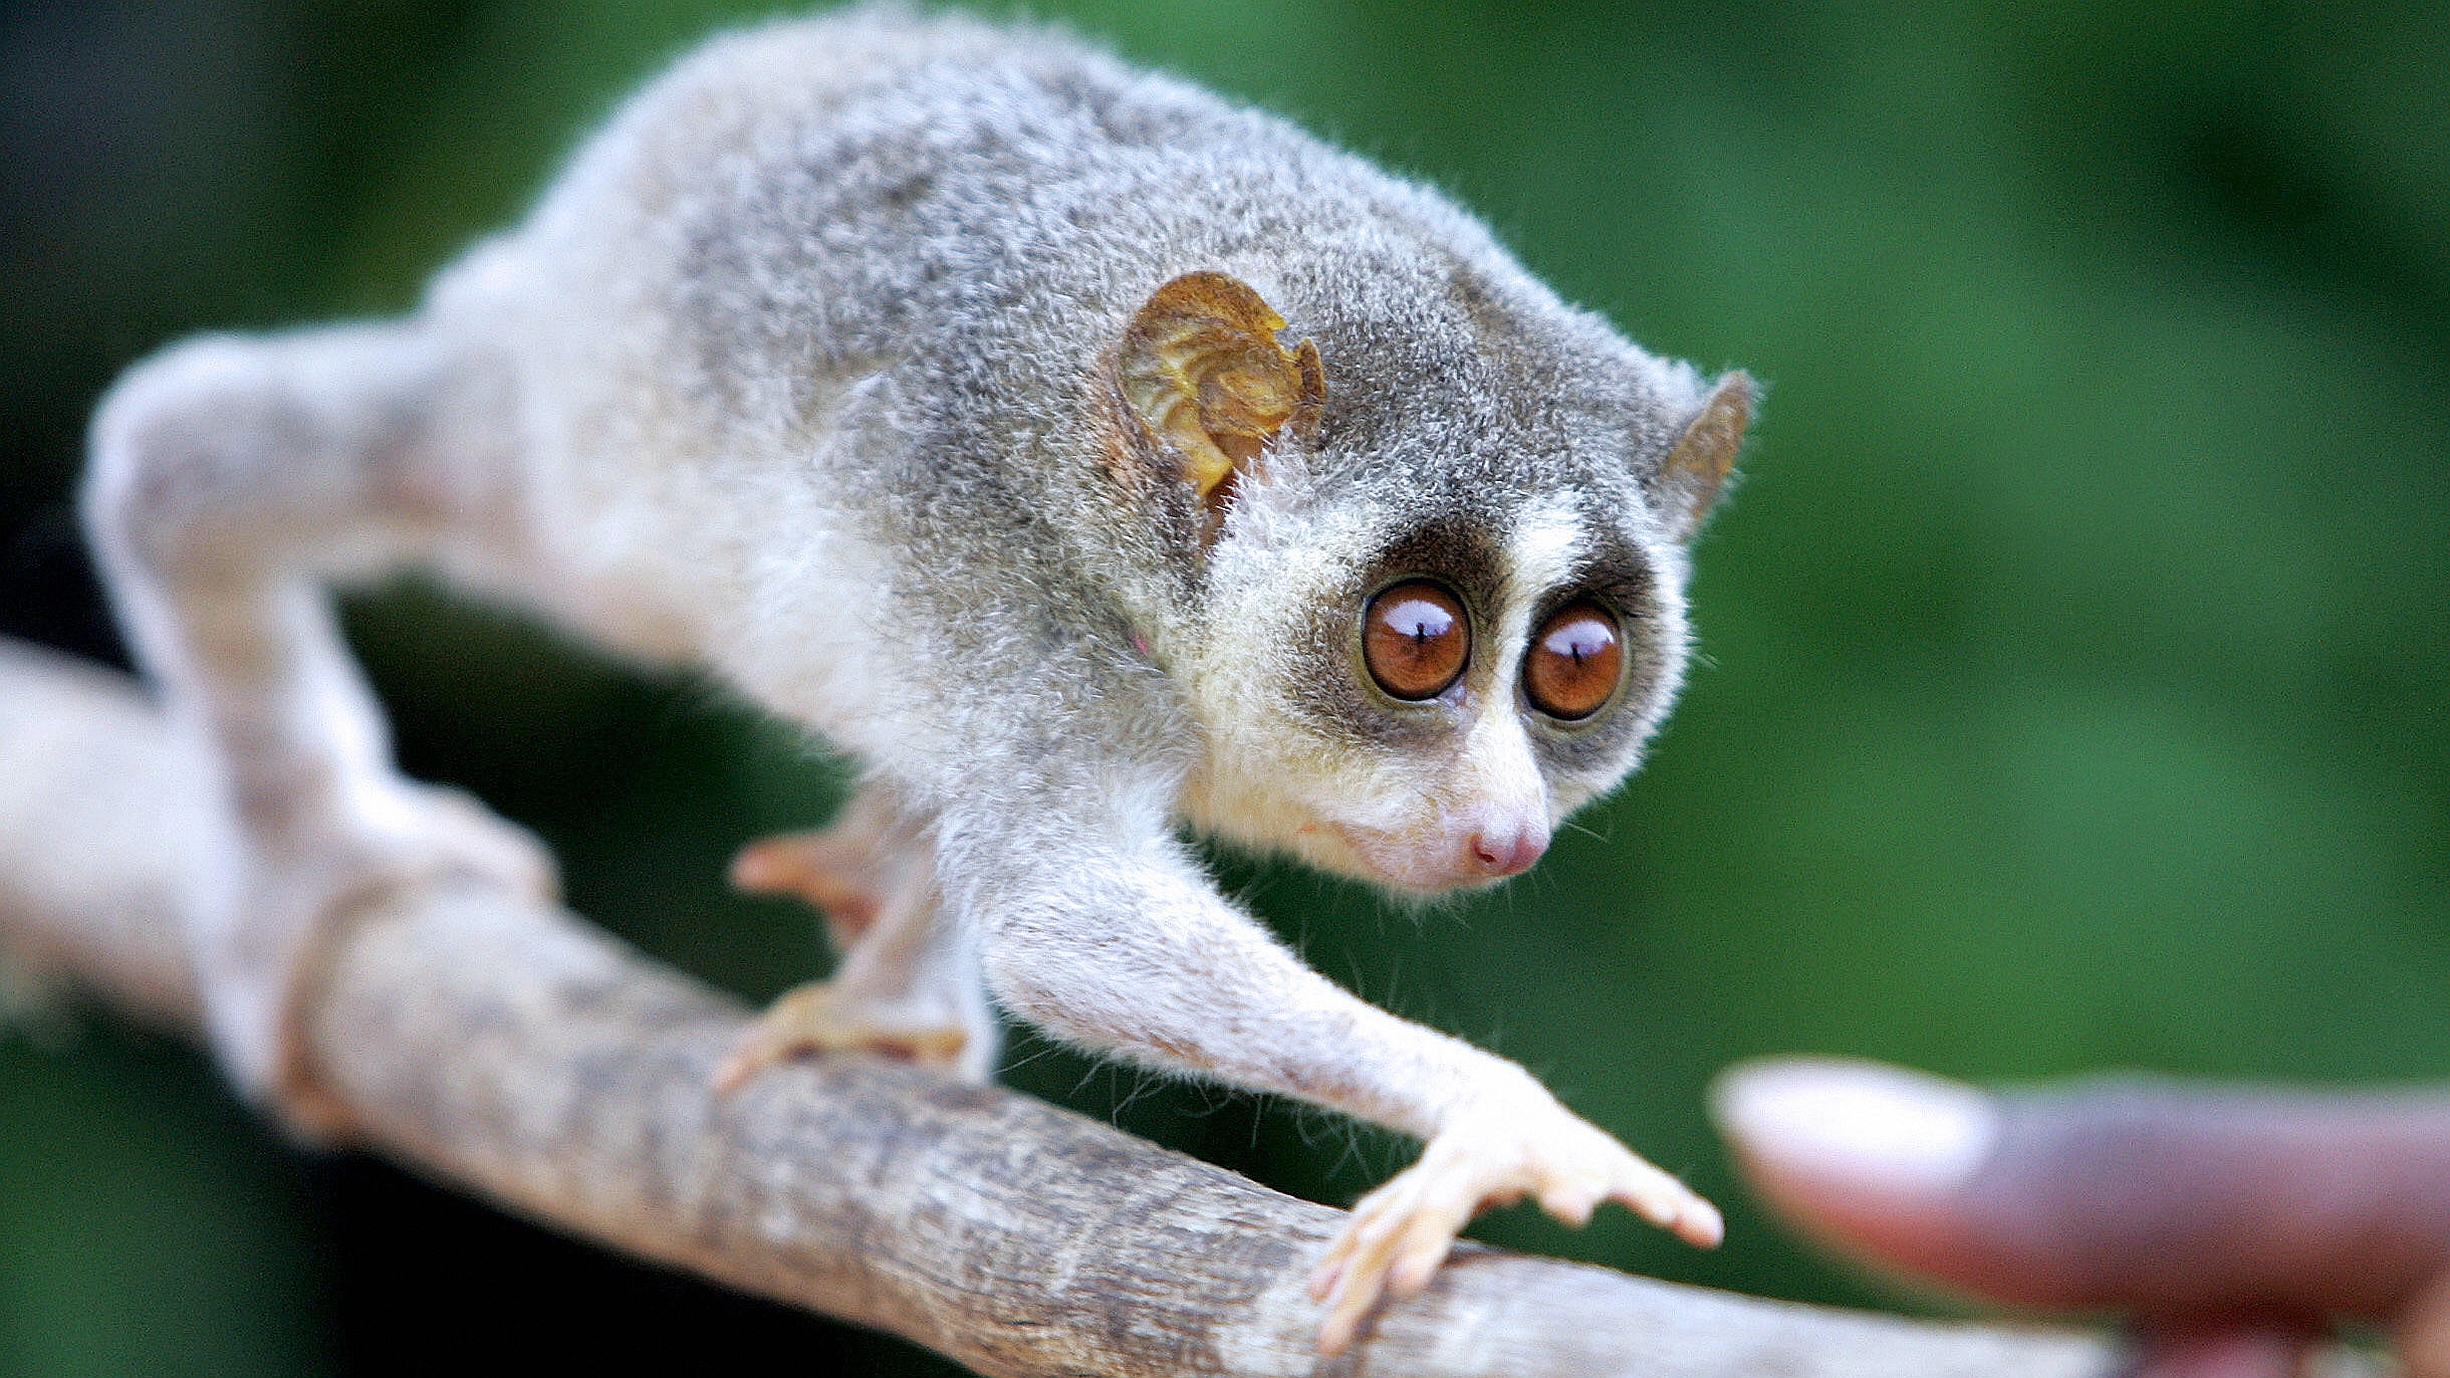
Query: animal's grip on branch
x,y
538,1063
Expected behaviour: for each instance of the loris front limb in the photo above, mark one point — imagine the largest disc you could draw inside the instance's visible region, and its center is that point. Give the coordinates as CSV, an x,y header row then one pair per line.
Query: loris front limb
x,y
1100,931
1096,927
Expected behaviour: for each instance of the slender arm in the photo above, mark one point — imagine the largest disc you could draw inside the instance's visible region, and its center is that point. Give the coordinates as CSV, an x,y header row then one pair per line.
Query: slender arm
x,y
1187,982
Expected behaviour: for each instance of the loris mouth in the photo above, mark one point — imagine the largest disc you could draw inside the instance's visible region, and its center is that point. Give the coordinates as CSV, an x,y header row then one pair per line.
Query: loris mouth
x,y
1438,860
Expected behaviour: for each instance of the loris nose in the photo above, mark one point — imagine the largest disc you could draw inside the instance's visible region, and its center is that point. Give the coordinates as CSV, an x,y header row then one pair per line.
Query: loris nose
x,y
1505,851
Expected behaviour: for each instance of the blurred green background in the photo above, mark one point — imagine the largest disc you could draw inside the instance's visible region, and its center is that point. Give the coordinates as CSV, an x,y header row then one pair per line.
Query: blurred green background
x,y
2075,689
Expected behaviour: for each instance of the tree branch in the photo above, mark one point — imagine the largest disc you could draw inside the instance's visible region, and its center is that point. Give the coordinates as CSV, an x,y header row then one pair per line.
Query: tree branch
x,y
528,1057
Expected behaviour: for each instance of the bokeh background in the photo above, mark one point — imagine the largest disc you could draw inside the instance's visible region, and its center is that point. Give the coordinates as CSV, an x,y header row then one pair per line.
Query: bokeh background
x,y
2075,690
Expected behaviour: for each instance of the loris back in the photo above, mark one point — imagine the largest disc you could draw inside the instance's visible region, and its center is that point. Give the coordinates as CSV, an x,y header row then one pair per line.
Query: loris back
x,y
865,267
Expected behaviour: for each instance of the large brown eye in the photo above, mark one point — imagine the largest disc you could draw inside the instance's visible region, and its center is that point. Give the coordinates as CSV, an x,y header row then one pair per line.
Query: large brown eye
x,y
1574,662
1415,640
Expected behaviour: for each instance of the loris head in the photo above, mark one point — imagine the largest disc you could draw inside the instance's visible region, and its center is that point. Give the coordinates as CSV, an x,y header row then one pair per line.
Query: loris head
x,y
1436,563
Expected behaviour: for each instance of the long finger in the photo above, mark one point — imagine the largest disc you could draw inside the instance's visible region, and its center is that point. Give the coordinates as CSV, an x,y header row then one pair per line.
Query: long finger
x,y
2171,1200
1369,1212
1361,1281
1430,1233
1652,1194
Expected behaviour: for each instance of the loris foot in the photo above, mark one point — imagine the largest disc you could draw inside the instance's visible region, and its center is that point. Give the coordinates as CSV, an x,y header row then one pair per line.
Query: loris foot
x,y
824,1017
1400,1233
452,833
257,945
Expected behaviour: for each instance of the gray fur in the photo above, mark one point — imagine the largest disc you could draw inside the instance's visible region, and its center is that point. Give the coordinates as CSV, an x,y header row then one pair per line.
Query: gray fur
x,y
797,371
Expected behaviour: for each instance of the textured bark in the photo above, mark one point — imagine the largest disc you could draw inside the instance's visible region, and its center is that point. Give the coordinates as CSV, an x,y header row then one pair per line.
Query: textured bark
x,y
537,1062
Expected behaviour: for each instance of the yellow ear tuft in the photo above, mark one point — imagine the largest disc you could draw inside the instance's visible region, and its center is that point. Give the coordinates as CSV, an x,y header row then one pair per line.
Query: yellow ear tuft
x,y
1201,370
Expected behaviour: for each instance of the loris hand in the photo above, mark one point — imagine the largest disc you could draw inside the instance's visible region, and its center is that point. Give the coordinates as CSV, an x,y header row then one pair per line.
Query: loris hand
x,y
1400,1233
2233,1224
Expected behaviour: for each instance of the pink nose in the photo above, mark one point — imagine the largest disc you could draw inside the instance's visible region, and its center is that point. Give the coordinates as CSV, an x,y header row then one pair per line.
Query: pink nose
x,y
1504,853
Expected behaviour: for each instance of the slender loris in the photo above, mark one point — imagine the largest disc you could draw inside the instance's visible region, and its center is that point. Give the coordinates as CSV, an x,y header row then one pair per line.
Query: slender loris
x,y
1087,456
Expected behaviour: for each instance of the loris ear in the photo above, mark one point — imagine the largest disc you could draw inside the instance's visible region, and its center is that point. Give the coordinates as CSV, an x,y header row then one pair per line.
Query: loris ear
x,y
1689,479
1207,386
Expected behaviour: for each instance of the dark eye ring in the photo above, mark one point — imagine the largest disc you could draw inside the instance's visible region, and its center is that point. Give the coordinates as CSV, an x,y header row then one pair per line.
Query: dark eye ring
x,y
1574,662
1415,639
